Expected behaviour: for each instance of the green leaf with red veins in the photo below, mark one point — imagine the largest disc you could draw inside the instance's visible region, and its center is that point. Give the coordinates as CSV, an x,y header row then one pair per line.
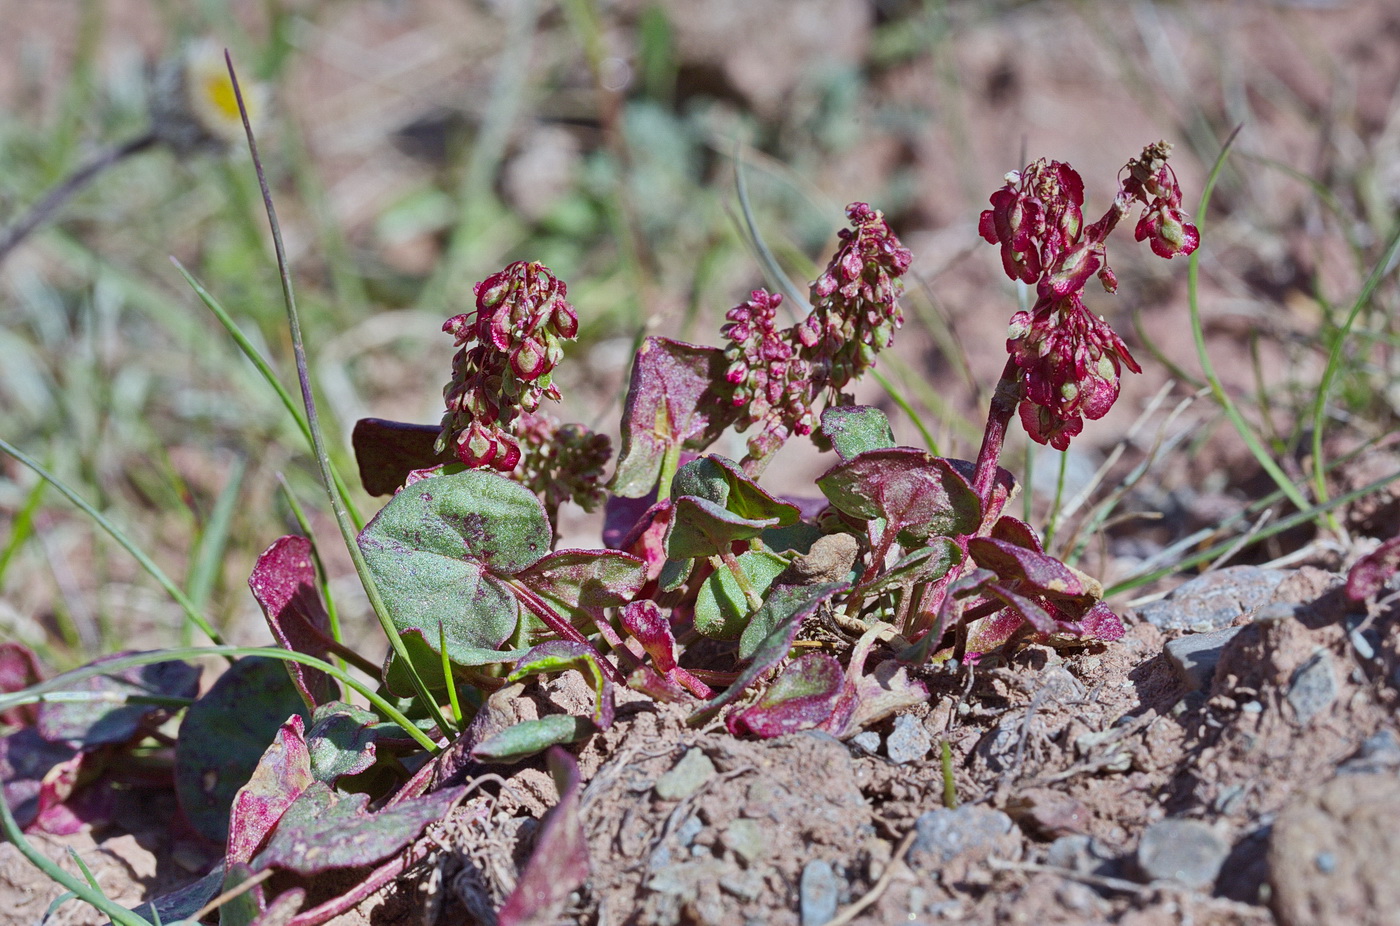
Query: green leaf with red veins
x,y
581,583
283,772
1033,572
919,495
558,866
324,830
854,429
442,552
672,404
284,584
801,698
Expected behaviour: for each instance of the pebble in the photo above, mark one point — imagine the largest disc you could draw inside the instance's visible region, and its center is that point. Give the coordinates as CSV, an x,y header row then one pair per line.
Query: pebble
x,y
745,839
1313,688
819,892
944,834
1377,754
868,741
686,777
1186,851
908,741
1215,600
1195,656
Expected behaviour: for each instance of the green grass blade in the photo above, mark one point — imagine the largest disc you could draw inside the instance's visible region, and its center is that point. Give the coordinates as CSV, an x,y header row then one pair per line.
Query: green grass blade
x,y
213,539
1246,433
1334,358
265,370
125,542
342,515
22,527
772,270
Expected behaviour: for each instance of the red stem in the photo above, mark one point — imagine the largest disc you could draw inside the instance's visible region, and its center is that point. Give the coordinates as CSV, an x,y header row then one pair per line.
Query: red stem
x,y
1004,399
559,625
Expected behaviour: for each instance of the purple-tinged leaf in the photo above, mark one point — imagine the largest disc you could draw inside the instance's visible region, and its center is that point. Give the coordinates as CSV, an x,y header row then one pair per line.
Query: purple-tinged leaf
x,y
1370,574
866,699
1031,572
1032,613
1098,623
800,698
646,540
989,633
284,584
917,494
324,830
658,686
784,611
109,717
388,451
1018,532
19,668
854,429
721,608
26,761
644,621
224,736
621,517
556,656
531,737
283,772
442,551
558,866
703,528
672,404
344,740
581,583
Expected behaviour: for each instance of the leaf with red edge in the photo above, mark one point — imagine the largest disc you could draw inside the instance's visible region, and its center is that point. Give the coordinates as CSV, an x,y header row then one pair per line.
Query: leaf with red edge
x,y
283,772
109,718
26,760
344,739
1033,572
284,584
800,698
867,698
556,656
388,451
1370,574
645,622
19,668
1028,610
324,830
918,494
1098,623
672,404
558,866
989,633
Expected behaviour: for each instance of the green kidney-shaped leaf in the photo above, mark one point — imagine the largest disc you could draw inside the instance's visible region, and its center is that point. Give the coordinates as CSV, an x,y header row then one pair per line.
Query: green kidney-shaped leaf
x,y
720,480
671,404
918,494
703,528
440,551
721,609
854,429
224,736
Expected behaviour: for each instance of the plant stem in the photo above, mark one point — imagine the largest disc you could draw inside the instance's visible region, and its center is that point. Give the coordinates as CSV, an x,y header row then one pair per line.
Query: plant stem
x,y
1003,406
731,562
41,211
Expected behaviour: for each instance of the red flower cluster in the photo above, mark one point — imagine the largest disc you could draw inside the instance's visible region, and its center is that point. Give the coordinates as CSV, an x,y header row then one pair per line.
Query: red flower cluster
x,y
777,374
1071,360
520,322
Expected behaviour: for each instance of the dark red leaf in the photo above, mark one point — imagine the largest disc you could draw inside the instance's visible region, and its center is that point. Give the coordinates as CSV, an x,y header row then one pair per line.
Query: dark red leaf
x,y
284,583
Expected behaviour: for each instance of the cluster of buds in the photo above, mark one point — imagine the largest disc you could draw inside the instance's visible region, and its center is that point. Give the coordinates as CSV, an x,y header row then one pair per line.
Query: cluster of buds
x,y
562,462
515,337
771,385
1069,360
855,308
777,375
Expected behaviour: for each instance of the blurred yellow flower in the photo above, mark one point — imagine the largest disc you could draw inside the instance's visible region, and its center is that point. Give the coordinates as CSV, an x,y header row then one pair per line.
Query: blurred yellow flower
x,y
193,106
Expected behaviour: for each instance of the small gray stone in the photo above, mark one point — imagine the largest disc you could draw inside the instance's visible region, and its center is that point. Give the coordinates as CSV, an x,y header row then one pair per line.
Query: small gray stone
x,y
686,777
1195,656
908,741
1313,688
690,828
1186,851
944,834
1379,753
1215,600
819,893
745,839
867,741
